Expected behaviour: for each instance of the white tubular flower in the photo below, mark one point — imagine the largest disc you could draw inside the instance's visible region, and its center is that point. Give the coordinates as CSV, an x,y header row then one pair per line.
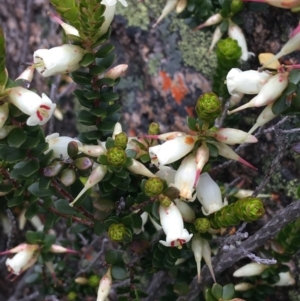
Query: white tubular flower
x,y
185,177
217,35
27,74
167,173
172,224
104,286
243,286
226,152
265,116
109,13
116,71
250,269
268,94
58,60
233,136
40,109
201,248
214,19
235,99
4,112
209,195
26,256
187,213
59,145
140,169
285,279
292,44
236,33
97,174
170,6
172,150
246,82
69,29
166,136
144,217
117,130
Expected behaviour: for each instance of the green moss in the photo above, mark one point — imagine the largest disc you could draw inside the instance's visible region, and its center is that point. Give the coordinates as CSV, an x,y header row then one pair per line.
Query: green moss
x,y
154,63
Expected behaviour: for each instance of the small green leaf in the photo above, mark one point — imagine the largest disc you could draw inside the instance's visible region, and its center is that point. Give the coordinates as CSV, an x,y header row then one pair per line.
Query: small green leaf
x,y
113,257
213,150
280,105
78,228
35,190
86,118
217,291
33,237
104,51
16,137
105,82
63,206
191,123
31,211
228,291
32,278
118,272
30,168
96,70
106,126
87,60
99,228
81,78
3,72
224,25
209,296
137,221
107,61
109,97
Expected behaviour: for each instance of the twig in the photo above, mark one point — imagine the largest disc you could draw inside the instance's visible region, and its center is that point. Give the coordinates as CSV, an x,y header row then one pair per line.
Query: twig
x,y
224,260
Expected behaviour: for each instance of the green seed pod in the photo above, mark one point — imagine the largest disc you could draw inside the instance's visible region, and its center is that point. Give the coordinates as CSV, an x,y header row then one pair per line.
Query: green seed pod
x,y
153,129
116,232
208,107
236,6
53,169
121,140
68,176
247,210
202,225
94,281
116,156
72,296
154,186
83,163
72,149
164,200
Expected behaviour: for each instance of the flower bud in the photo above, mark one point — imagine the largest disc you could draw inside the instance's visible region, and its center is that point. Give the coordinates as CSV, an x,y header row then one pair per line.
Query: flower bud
x,y
228,50
217,35
268,94
121,140
250,269
72,296
170,5
154,186
69,30
116,232
72,149
164,200
27,75
187,213
265,116
202,225
285,279
139,169
153,129
83,163
93,280
82,280
243,286
60,249
202,157
236,6
116,156
208,107
92,150
233,136
53,169
104,286
181,5
116,72
68,177
236,33
117,130
215,19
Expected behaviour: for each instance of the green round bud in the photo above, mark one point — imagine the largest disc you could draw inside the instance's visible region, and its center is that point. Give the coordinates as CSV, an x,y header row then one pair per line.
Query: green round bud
x,y
202,225
236,6
153,129
208,107
72,149
116,156
154,186
121,140
252,209
228,50
72,296
164,200
94,281
116,232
